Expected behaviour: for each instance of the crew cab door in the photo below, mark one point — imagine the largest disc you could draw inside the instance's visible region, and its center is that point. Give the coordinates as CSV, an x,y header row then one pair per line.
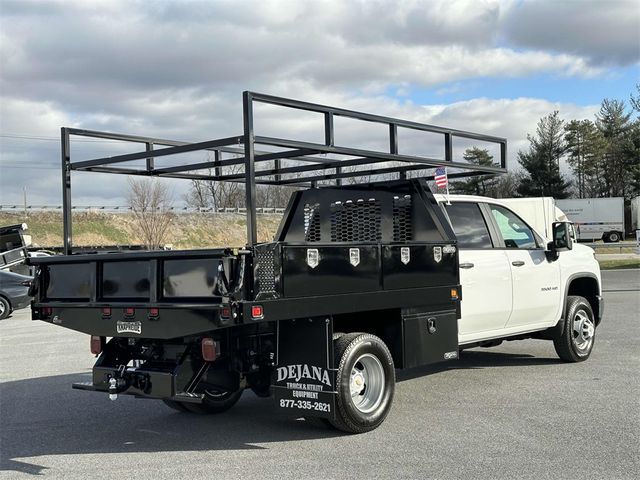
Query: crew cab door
x,y
485,274
536,281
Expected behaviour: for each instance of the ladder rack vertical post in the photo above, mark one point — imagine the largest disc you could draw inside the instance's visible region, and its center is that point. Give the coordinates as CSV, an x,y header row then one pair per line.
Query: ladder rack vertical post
x,y
249,168
66,190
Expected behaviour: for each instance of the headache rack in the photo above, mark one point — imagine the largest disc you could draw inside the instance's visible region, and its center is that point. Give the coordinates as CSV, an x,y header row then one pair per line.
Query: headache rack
x,y
266,160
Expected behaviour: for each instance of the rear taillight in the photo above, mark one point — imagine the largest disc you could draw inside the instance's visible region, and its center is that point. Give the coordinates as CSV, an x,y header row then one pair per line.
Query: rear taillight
x,y
46,311
257,312
225,312
210,349
96,344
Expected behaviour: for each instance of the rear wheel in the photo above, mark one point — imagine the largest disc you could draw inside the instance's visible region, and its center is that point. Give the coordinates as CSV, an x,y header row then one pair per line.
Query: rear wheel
x,y
178,406
575,342
215,400
614,237
365,382
5,308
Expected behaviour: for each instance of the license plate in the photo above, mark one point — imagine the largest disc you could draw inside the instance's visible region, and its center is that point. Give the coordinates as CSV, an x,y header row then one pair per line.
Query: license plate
x,y
129,327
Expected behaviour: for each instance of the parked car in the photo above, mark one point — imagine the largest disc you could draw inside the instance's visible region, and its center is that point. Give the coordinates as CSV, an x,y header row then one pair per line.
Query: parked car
x,y
13,292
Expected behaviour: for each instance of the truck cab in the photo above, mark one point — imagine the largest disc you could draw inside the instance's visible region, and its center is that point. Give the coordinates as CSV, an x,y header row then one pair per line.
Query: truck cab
x,y
499,253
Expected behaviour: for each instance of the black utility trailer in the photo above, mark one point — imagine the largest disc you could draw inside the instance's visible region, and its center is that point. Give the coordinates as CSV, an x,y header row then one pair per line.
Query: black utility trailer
x,y
360,279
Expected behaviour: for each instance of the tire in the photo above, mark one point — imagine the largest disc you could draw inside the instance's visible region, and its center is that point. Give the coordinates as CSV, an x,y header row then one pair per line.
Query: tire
x,y
5,308
575,342
262,391
178,406
260,384
362,361
613,237
318,422
215,401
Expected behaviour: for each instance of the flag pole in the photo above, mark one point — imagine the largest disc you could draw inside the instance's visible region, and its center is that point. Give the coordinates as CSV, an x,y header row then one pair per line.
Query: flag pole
x,y
447,177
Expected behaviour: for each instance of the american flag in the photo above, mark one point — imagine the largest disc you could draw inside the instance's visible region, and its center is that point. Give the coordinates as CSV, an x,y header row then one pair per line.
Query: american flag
x,y
441,177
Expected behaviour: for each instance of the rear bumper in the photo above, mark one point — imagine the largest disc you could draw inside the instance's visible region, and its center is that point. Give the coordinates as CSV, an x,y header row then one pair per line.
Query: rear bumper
x,y
138,382
20,302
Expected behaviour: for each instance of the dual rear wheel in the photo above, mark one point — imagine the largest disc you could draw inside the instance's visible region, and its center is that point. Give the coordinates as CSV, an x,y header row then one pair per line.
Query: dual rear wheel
x,y
365,383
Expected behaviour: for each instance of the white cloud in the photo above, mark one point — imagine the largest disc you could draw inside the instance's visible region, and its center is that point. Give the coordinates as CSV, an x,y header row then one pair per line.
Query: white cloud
x,y
176,69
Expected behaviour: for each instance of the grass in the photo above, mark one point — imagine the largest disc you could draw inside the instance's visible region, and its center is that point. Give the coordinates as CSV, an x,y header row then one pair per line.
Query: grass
x,y
185,232
620,263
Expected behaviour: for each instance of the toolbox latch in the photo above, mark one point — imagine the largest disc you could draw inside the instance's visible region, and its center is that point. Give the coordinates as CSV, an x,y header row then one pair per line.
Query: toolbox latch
x,y
431,325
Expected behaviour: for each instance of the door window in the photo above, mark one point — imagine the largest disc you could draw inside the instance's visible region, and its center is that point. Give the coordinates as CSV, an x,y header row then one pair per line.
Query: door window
x,y
515,232
469,225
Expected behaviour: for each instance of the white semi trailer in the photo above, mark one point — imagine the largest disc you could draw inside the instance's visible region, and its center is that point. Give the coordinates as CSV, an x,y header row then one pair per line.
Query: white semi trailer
x,y
596,218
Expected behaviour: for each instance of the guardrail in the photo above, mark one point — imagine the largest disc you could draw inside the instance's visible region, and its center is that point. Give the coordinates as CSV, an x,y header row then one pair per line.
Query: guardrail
x,y
611,246
124,209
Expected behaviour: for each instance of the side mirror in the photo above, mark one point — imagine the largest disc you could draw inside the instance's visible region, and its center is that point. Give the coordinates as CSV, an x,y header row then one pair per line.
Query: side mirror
x,y
562,240
562,236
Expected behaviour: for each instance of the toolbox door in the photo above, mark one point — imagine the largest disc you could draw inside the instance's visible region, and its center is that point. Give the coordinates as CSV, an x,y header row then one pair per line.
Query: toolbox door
x,y
429,337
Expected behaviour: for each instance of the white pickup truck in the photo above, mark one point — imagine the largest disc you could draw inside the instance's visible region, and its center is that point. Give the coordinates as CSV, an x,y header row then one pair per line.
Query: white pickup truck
x,y
517,284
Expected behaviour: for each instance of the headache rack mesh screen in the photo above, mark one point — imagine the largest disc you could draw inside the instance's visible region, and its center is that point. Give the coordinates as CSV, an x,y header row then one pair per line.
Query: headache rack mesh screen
x,y
402,225
358,221
312,222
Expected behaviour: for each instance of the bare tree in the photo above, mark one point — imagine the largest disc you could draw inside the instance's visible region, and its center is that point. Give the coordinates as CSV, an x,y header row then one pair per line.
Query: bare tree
x,y
150,200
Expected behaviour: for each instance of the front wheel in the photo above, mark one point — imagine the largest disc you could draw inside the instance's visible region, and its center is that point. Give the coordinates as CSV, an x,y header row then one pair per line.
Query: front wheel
x,y
365,382
575,342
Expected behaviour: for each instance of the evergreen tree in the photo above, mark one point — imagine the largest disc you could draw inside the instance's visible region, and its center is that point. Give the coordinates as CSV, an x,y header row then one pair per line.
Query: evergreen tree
x,y
483,185
585,148
542,161
621,155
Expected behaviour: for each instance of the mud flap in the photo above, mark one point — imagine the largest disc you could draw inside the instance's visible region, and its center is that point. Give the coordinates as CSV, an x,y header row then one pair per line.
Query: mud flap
x,y
304,379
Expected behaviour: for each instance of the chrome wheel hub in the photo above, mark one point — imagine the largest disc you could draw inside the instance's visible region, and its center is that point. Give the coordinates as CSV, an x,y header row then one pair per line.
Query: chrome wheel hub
x,y
367,383
583,331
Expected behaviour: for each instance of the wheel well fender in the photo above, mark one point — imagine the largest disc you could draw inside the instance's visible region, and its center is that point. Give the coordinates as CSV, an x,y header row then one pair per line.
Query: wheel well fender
x,y
385,324
583,285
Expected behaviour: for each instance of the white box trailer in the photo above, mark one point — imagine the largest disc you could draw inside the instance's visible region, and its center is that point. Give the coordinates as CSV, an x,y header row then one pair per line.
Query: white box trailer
x,y
635,214
596,218
538,212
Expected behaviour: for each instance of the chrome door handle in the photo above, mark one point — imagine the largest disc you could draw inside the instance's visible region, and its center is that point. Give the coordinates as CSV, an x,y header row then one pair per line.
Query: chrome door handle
x,y
466,265
518,263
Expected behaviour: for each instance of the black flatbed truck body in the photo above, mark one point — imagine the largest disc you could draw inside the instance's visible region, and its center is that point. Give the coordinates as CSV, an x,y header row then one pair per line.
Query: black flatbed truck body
x,y
376,257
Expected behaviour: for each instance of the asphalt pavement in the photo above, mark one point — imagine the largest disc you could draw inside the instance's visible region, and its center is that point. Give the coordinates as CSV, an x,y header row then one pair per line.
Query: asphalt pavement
x,y
513,411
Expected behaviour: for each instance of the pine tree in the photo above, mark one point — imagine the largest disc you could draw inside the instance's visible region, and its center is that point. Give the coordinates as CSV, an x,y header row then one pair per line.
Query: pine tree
x,y
585,148
542,161
483,185
620,155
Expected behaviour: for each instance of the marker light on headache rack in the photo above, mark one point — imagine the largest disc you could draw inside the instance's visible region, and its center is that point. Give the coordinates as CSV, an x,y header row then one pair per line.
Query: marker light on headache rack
x,y
106,311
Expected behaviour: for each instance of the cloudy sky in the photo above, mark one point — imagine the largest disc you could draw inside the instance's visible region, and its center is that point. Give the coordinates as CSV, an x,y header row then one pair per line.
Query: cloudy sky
x,y
177,70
